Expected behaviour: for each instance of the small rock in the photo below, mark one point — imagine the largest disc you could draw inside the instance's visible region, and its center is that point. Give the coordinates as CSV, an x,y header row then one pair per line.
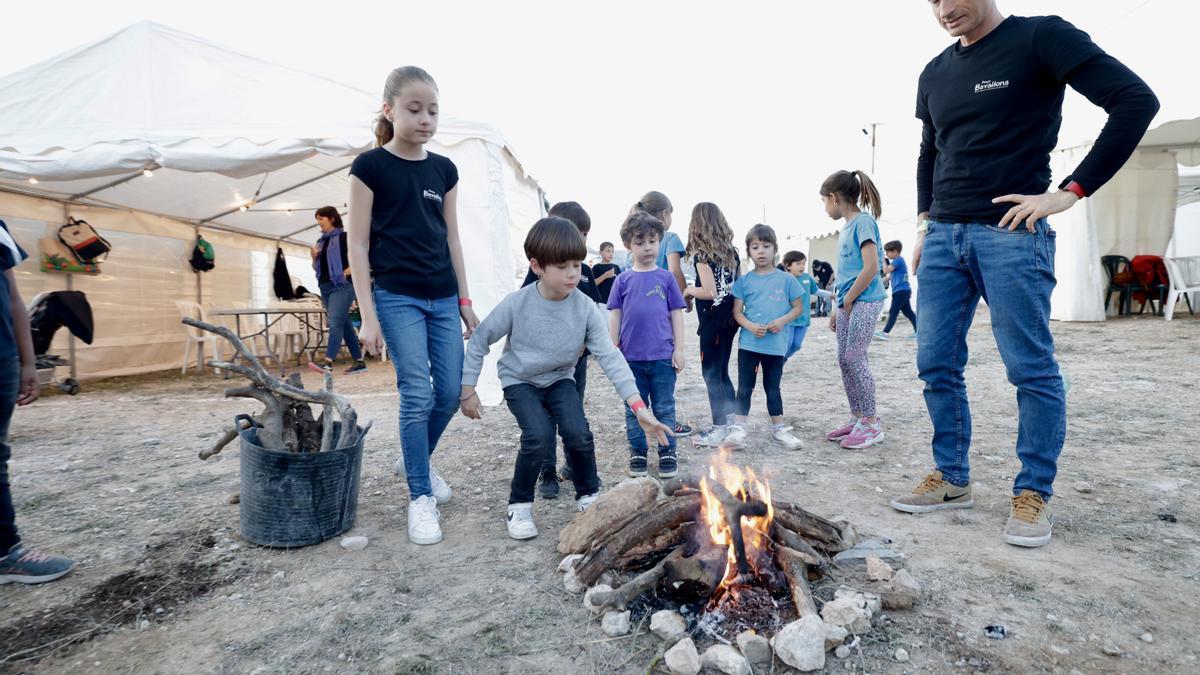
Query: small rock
x,y
615,624
591,593
668,625
1060,650
235,596
850,613
877,569
975,662
834,636
683,659
354,543
160,610
996,631
801,644
870,600
278,575
143,624
151,441
901,655
756,649
478,491
1167,517
235,498
1147,637
571,582
1083,487
569,562
857,555
725,659
905,582
842,652
1111,649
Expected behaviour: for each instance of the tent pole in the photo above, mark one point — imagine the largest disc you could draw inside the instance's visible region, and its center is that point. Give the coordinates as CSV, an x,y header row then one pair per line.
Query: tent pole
x,y
120,181
70,287
277,193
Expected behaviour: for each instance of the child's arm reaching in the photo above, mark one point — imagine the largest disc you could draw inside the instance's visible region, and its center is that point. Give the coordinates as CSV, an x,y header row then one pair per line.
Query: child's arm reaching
x,y
614,327
707,284
497,325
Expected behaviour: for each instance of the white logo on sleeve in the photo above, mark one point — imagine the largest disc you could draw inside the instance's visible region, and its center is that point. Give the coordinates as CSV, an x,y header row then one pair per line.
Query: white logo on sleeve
x,y
991,85
430,194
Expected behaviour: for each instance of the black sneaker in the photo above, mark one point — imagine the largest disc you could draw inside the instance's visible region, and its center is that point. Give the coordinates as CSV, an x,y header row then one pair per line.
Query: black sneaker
x,y
26,566
566,474
637,464
358,367
668,464
682,430
548,484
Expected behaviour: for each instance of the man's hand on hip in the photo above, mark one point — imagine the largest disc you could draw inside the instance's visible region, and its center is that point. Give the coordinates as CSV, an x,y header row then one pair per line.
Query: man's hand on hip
x,y
1032,208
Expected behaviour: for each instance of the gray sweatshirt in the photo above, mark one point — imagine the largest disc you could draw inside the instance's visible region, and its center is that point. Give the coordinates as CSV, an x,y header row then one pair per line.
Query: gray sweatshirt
x,y
545,339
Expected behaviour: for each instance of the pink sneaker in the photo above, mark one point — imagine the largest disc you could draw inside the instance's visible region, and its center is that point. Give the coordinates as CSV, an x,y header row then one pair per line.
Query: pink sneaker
x,y
863,436
843,431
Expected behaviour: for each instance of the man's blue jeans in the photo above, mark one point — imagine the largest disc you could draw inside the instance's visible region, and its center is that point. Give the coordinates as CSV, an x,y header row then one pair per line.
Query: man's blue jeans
x,y
424,341
337,301
10,379
1013,271
656,383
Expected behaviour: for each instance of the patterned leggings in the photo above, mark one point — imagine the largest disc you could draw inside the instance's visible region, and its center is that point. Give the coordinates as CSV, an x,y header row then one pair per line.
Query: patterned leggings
x,y
854,332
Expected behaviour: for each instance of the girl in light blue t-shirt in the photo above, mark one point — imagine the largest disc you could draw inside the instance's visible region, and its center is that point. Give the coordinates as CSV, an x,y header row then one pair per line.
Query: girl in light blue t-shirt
x,y
859,299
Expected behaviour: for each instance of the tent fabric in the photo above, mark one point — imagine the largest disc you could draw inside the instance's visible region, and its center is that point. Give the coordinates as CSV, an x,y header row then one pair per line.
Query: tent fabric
x,y
204,124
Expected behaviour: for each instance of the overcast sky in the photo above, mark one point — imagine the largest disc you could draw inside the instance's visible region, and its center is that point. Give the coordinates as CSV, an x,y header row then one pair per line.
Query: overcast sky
x,y
748,105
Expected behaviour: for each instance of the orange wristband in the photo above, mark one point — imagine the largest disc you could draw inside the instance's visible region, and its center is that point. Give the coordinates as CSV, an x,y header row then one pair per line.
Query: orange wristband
x,y
464,302
637,405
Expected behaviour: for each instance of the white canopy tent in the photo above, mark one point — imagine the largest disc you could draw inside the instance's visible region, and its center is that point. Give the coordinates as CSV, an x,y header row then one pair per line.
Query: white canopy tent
x,y
153,135
1143,210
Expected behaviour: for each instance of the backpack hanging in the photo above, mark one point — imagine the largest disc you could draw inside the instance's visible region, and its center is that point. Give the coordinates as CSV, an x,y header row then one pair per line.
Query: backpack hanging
x,y
203,256
84,242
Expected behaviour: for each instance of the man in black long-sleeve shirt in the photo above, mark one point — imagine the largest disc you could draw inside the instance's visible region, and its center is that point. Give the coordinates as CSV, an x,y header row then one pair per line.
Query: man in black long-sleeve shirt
x,y
991,108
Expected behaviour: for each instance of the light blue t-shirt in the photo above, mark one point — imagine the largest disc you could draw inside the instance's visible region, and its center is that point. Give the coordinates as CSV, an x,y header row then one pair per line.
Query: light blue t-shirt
x,y
671,243
855,233
766,297
808,288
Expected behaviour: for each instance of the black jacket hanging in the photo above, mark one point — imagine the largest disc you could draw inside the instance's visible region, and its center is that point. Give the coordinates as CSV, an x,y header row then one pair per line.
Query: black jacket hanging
x,y
283,280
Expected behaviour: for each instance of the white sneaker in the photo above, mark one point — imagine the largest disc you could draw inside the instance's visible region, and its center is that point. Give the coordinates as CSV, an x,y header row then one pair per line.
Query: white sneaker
x,y
713,437
441,489
586,501
735,437
423,525
520,521
784,437
880,335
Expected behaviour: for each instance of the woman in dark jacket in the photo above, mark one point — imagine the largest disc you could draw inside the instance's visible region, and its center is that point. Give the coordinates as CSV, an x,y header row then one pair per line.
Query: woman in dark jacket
x,y
332,265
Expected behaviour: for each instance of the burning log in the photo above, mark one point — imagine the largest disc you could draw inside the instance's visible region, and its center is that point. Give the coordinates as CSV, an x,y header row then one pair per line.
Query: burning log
x,y
785,537
649,553
734,510
620,597
795,570
669,513
826,534
696,572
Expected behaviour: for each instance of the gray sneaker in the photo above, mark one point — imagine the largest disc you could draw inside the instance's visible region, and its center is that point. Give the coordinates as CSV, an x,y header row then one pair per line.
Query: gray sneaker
x,y
1030,521
26,566
934,494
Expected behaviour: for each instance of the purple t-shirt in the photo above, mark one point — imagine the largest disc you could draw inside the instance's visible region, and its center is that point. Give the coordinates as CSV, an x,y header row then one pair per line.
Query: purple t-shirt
x,y
646,300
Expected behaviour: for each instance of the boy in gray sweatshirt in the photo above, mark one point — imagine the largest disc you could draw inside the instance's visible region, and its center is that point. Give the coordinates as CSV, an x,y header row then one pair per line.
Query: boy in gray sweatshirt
x,y
548,325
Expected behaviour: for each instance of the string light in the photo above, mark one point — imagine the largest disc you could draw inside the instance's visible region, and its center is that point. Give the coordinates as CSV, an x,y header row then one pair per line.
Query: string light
x,y
33,181
147,173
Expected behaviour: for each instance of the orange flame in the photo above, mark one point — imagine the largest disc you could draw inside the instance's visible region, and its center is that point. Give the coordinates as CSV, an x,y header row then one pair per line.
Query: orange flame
x,y
743,484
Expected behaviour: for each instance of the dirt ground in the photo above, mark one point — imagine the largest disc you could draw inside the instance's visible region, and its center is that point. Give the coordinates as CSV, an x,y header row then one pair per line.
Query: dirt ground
x,y
165,584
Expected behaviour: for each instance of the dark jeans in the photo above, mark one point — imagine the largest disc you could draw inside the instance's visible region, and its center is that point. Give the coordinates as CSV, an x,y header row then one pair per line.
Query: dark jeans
x,y
1014,272
772,371
656,384
10,380
538,413
337,301
717,334
550,464
900,303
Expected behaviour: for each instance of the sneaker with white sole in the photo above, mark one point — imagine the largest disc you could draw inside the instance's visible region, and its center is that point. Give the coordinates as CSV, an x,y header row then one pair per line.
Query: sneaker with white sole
x,y
438,485
637,464
423,525
842,431
586,501
735,437
880,335
26,566
935,493
864,435
1030,522
713,437
520,521
784,437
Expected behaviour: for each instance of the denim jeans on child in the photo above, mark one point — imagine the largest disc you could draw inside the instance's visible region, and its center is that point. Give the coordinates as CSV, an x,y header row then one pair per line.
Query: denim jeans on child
x,y
1013,271
538,413
337,301
656,384
10,384
550,462
424,342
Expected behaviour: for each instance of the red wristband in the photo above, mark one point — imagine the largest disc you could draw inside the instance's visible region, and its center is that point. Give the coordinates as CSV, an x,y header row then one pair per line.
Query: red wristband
x,y
637,405
1077,189
464,302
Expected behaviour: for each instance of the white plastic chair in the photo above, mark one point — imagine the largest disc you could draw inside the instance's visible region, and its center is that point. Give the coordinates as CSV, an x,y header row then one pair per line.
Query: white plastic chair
x,y
1185,278
289,337
258,344
196,336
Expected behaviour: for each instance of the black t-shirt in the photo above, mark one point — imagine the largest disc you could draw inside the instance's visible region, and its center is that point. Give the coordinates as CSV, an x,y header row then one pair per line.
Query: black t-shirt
x,y
723,278
410,252
11,255
992,112
586,286
823,271
605,287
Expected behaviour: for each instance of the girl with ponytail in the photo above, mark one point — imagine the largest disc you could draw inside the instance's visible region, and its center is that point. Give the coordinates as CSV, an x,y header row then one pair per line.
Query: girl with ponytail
x,y
406,262
859,299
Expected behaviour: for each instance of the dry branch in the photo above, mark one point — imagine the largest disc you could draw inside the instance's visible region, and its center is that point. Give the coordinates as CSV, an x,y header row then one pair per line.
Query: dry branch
x,y
795,570
668,513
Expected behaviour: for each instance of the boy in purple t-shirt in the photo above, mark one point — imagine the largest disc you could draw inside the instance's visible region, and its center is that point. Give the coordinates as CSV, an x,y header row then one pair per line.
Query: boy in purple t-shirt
x,y
646,322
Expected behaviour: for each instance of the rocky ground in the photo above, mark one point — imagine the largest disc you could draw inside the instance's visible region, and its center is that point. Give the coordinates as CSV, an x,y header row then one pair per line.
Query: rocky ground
x,y
165,584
